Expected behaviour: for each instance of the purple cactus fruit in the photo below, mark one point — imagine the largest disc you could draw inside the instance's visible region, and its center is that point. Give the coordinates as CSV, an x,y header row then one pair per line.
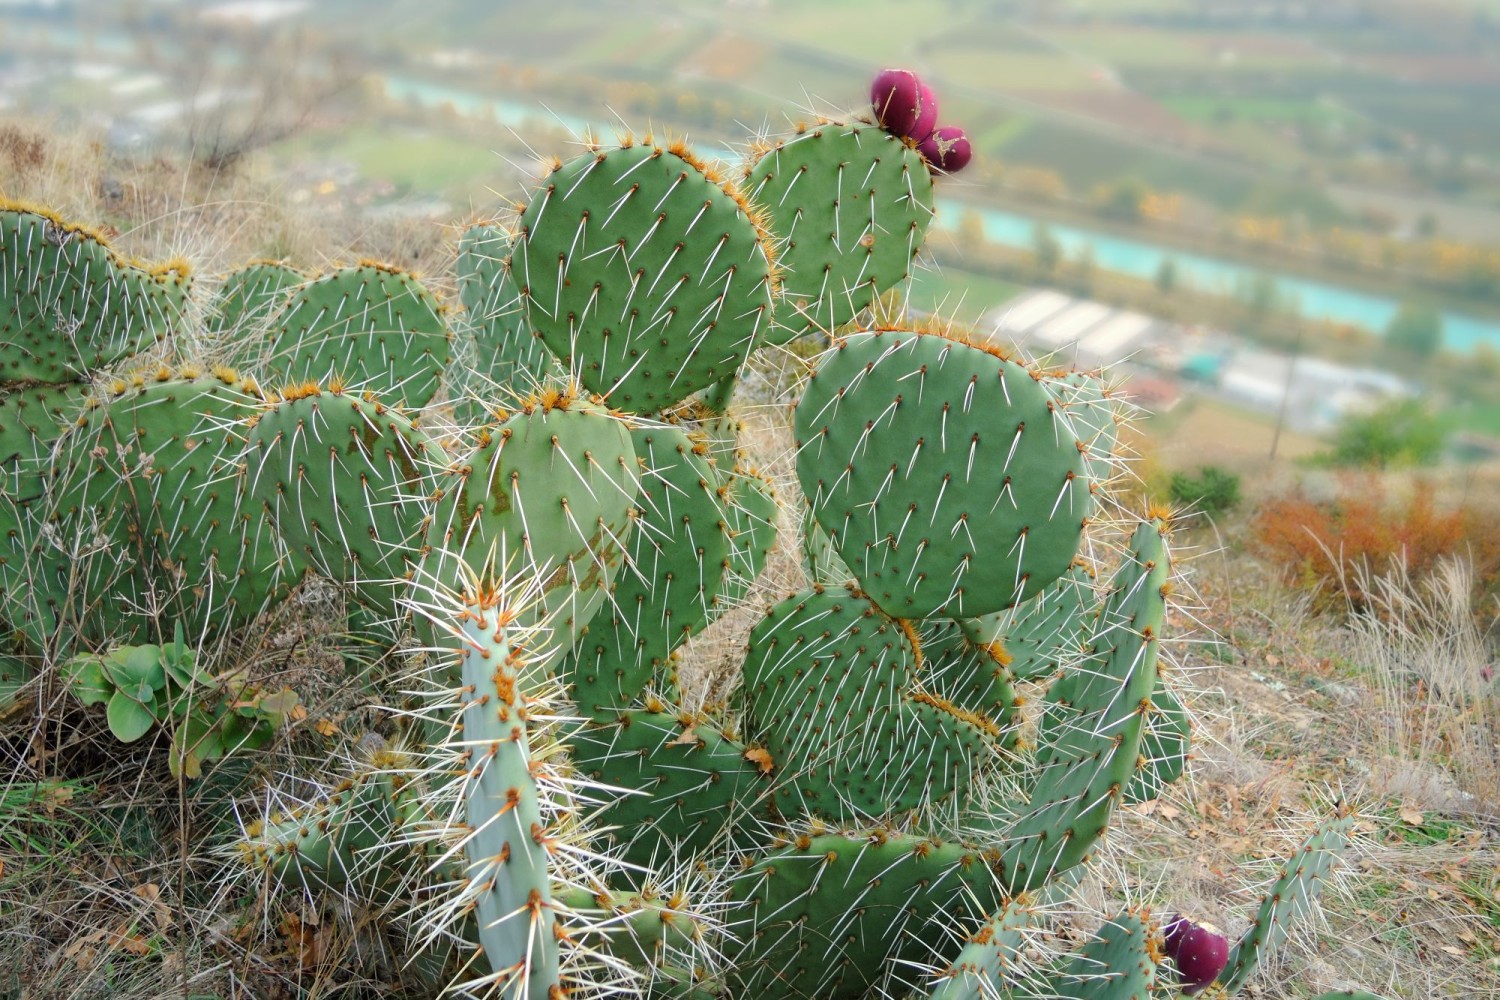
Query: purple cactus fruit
x,y
1200,952
904,105
947,149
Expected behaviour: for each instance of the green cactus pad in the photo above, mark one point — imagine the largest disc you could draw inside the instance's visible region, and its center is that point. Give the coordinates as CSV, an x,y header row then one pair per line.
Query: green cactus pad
x,y
1117,964
850,206
344,478
250,295
1094,410
676,561
647,277
693,784
1090,753
941,472
835,916
69,305
1164,746
549,491
659,935
509,832
1290,898
830,687
31,421
972,675
505,353
822,561
369,326
338,843
750,502
1047,631
153,471
992,956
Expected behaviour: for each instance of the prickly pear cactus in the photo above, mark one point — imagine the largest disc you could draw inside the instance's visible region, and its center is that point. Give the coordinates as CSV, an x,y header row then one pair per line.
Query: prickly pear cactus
x,y
550,491
343,477
371,326
850,205
645,273
914,450
70,305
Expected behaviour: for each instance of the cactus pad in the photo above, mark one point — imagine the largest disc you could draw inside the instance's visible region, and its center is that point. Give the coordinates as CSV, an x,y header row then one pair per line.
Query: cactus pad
x,y
1091,752
550,491
153,469
830,686
344,478
505,352
840,915
369,326
1289,899
941,472
850,205
69,305
250,295
694,783
676,561
648,278
1118,964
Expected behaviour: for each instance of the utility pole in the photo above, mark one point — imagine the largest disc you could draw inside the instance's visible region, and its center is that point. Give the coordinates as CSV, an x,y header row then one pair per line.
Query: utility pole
x,y
1286,394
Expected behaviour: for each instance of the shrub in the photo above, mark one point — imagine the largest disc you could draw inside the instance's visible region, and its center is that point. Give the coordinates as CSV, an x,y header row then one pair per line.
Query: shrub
x,y
1212,491
1331,546
1397,433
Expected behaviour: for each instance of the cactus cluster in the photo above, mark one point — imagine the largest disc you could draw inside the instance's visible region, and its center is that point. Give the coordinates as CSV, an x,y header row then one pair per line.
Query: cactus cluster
x,y
874,810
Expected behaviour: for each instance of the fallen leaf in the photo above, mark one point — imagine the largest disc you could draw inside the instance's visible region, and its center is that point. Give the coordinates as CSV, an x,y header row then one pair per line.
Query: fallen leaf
x,y
326,727
761,758
1411,815
160,912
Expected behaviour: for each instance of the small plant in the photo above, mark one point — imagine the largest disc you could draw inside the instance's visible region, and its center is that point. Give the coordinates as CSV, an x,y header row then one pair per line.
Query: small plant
x,y
1334,547
146,686
1211,492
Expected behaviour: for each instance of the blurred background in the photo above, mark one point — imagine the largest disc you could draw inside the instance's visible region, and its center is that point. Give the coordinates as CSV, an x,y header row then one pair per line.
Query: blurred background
x,y
1286,215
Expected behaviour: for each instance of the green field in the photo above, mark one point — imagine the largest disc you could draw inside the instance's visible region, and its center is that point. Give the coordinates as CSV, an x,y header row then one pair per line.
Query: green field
x,y
958,294
416,162
1208,109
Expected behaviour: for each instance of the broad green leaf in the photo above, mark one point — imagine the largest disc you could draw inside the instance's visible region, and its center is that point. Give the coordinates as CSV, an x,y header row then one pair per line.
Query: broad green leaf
x,y
129,720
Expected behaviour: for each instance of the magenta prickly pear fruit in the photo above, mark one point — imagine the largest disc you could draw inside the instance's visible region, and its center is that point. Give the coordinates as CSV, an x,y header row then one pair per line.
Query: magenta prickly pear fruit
x,y
904,105
947,149
1200,952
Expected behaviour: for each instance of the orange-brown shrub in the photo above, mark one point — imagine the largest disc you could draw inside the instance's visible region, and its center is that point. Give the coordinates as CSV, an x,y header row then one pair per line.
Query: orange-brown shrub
x,y
1320,544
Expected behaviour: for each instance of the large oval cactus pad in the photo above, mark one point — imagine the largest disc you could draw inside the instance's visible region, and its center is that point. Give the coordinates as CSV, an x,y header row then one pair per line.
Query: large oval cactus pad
x,y
646,276
343,476
550,491
371,326
154,469
675,566
942,473
851,205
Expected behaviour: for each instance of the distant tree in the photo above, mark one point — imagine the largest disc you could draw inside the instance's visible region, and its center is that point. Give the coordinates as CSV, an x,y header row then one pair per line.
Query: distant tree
x,y
1166,276
1427,225
1212,491
970,234
1261,296
1084,270
1123,199
1046,250
1416,329
1399,432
